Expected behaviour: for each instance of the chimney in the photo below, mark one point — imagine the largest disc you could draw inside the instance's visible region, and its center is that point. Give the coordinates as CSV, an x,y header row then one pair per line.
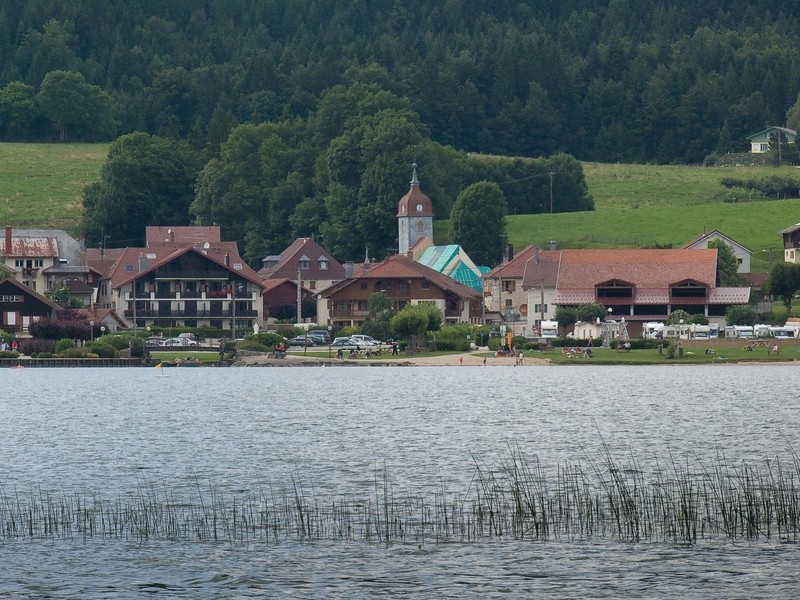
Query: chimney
x,y
348,268
510,252
536,255
142,263
8,240
227,259
171,235
552,244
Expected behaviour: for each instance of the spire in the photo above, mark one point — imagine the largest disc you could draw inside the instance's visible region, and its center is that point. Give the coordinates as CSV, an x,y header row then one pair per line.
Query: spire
x,y
366,255
414,180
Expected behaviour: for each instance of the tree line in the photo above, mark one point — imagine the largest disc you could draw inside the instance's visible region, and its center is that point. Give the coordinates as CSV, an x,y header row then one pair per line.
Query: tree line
x,y
336,175
607,80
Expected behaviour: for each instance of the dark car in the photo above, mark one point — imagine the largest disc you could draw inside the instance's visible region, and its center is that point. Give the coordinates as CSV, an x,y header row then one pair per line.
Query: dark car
x,y
302,340
319,334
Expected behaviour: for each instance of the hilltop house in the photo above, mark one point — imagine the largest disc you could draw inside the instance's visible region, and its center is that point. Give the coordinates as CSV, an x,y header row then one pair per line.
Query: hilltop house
x,y
791,243
742,253
760,142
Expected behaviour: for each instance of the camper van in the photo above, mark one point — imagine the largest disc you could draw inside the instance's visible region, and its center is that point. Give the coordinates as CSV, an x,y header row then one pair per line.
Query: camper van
x,y
713,331
784,333
761,330
652,330
699,332
743,331
549,330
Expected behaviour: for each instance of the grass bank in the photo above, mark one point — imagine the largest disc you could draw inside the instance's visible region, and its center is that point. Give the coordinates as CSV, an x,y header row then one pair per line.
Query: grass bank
x,y
41,184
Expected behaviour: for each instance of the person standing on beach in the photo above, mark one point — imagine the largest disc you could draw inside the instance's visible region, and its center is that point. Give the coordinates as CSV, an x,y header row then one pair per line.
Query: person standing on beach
x,y
461,360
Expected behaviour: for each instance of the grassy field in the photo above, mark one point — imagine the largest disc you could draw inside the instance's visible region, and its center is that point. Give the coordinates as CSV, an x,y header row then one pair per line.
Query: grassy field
x,y
41,184
636,205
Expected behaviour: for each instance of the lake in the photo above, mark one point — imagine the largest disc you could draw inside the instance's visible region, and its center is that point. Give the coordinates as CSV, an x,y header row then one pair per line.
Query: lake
x,y
356,482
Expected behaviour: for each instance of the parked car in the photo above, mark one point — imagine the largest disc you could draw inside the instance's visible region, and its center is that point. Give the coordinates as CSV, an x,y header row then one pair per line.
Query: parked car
x,y
301,340
153,342
343,342
365,340
177,342
321,334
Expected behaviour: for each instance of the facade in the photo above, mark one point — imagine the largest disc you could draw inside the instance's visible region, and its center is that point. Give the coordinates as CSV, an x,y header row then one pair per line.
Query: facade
x,y
645,285
184,281
306,261
280,300
539,284
44,258
346,304
414,216
20,306
759,142
742,253
791,244
502,287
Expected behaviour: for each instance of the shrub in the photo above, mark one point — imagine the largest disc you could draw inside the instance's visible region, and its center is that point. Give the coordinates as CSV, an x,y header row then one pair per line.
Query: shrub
x,y
8,354
104,351
64,344
75,352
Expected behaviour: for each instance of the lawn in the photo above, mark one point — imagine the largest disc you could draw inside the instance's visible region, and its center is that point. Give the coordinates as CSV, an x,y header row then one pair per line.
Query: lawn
x,y
41,184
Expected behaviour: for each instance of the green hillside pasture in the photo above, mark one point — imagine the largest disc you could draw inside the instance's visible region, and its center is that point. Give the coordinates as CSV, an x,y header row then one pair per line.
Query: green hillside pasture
x,y
618,185
41,184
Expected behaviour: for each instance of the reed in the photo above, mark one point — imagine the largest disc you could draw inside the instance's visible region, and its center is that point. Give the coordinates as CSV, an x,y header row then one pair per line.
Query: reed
x,y
675,503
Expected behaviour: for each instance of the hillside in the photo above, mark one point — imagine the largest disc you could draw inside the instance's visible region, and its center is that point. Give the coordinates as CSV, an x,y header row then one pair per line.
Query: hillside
x,y
636,205
41,184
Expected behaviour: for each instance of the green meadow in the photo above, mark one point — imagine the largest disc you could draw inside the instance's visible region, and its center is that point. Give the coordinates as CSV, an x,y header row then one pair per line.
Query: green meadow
x,y
635,205
41,184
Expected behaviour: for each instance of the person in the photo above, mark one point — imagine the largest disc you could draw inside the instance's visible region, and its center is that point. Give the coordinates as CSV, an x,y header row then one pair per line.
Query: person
x,y
339,353
521,358
776,349
461,360
353,353
484,361
394,348
627,346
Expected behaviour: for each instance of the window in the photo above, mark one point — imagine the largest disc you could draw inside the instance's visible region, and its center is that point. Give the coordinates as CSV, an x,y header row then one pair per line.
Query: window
x,y
402,287
312,284
509,286
420,226
323,263
615,289
305,264
19,263
38,263
509,303
363,285
342,305
425,285
538,308
4,299
688,290
363,305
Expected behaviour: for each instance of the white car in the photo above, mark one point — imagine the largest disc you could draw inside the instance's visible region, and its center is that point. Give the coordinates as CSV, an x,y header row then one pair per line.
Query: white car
x,y
364,340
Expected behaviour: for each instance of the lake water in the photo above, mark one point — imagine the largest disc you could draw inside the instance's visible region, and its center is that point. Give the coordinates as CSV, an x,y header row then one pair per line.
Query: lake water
x,y
77,437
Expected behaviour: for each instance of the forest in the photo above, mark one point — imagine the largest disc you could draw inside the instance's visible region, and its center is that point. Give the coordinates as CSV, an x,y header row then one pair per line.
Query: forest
x,y
328,86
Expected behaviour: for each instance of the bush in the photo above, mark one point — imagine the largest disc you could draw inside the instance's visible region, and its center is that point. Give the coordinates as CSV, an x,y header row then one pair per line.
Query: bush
x,y
104,351
75,352
8,354
64,344
494,344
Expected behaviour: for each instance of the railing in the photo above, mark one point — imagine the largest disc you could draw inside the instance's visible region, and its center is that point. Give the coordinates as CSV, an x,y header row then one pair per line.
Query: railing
x,y
346,312
196,314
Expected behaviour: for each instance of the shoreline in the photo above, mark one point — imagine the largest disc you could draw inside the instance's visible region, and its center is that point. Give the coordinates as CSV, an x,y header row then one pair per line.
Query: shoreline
x,y
465,359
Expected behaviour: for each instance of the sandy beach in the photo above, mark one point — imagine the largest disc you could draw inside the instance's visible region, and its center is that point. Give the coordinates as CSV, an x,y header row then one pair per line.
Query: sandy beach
x,y
466,359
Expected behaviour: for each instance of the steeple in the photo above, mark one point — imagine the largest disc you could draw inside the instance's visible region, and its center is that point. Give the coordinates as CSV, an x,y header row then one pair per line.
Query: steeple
x,y
414,215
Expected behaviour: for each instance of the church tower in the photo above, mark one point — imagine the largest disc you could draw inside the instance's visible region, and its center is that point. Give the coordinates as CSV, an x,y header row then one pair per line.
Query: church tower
x,y
414,216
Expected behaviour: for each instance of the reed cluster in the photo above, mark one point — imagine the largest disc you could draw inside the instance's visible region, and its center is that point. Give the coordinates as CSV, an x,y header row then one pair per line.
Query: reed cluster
x,y
678,503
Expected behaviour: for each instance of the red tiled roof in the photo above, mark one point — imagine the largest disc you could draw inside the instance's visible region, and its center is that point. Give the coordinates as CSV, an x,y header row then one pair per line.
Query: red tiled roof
x,y
30,247
654,269
286,267
515,268
541,269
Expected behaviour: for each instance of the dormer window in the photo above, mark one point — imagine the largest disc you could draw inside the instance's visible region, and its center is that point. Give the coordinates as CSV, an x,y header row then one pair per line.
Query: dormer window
x,y
323,263
305,262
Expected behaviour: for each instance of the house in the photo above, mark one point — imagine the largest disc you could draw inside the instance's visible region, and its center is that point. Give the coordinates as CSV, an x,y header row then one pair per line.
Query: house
x,y
44,258
103,317
742,253
280,300
502,286
760,142
539,281
20,306
186,277
791,244
405,281
645,285
304,260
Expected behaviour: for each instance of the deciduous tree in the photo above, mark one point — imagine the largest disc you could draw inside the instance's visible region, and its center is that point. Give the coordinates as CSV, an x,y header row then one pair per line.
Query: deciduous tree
x,y
478,222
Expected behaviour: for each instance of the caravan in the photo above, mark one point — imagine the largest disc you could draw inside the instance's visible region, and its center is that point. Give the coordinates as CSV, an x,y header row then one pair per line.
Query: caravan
x,y
784,333
652,330
549,330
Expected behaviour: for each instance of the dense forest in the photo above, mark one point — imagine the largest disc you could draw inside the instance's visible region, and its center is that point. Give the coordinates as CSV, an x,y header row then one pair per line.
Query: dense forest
x,y
317,91
611,80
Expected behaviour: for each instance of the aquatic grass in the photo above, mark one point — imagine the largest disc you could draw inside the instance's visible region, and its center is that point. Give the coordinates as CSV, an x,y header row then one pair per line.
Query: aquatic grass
x,y
677,502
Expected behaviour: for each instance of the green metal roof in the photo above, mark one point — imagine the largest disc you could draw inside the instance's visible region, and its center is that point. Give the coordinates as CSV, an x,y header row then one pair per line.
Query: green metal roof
x,y
466,276
438,257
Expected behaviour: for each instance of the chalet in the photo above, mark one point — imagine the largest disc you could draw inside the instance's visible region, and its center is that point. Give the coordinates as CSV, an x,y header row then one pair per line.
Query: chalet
x,y
20,306
791,244
191,279
304,260
760,142
405,281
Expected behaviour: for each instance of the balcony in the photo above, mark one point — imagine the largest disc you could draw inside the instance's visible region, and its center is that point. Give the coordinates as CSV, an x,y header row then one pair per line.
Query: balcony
x,y
344,313
192,314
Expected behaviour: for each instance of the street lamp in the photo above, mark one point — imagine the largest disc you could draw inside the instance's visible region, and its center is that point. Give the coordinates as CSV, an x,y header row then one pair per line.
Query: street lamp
x,y
234,288
102,330
91,329
551,173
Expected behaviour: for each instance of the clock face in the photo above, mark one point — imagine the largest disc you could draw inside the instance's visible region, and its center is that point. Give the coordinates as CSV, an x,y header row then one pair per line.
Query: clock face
x,y
419,207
